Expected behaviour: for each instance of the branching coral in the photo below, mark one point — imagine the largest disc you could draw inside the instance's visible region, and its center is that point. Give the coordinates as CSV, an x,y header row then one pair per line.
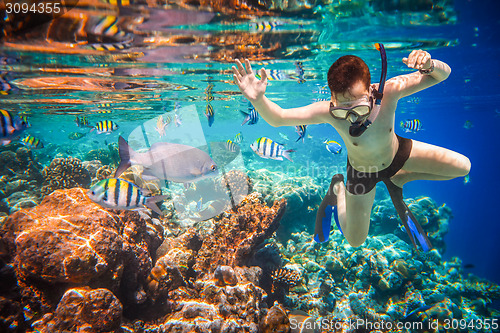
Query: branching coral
x,y
64,173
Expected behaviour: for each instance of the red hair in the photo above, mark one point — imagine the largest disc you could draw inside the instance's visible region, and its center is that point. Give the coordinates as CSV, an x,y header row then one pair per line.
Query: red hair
x,y
346,71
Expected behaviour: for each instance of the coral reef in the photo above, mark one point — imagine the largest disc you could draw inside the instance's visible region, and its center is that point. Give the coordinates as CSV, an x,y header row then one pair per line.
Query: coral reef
x,y
69,240
433,218
71,258
63,173
383,281
236,184
302,195
134,174
96,310
20,180
236,237
108,156
68,258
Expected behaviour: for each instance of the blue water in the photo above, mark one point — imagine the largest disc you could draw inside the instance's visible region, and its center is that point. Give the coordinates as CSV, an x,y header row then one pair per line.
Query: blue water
x,y
471,93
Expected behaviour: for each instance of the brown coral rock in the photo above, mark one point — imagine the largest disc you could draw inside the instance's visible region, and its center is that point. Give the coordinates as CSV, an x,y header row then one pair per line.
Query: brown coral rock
x,y
276,320
83,310
68,239
236,237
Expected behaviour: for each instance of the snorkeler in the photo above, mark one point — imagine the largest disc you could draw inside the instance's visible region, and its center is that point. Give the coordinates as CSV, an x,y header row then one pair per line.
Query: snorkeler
x,y
364,114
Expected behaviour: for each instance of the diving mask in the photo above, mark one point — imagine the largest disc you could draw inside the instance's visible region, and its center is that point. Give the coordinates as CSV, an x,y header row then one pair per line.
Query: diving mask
x,y
358,108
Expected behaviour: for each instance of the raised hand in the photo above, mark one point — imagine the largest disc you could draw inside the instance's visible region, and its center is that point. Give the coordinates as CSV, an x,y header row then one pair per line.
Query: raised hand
x,y
418,59
251,87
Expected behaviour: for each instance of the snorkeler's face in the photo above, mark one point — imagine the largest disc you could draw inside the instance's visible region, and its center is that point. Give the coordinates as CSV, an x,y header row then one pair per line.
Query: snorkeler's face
x,y
353,105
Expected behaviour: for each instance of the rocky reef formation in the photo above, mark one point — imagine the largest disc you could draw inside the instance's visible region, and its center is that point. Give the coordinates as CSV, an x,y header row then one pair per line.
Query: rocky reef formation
x,y
70,265
433,218
109,156
302,195
385,280
69,241
80,267
20,180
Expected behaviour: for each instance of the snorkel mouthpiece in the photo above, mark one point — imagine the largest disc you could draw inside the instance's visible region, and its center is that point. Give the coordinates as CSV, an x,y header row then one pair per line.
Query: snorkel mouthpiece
x,y
359,127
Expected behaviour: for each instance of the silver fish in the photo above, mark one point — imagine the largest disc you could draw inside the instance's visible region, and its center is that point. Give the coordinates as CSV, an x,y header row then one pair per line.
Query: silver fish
x,y
171,161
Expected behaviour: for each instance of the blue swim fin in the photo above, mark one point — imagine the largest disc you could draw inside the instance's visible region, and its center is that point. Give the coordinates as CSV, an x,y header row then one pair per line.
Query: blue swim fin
x,y
327,208
417,235
322,234
326,224
412,227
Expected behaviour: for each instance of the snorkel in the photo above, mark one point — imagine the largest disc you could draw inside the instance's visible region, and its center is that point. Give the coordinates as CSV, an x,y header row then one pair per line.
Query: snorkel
x,y
358,127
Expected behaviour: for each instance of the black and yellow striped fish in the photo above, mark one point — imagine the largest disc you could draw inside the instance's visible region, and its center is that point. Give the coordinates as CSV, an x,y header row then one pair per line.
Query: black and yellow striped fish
x,y
118,2
105,126
32,142
411,125
265,26
231,146
10,126
209,112
116,193
267,148
82,122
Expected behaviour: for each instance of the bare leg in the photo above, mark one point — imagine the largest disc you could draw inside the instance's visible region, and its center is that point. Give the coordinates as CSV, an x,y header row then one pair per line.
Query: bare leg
x,y
429,159
403,177
354,214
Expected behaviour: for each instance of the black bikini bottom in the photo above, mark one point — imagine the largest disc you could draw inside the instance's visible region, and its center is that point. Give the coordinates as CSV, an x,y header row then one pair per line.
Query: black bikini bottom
x,y
359,182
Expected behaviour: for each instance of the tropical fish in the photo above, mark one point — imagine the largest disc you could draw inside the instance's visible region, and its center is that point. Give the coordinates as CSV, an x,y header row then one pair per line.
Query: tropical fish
x,y
209,112
275,75
299,70
321,99
82,122
32,142
105,126
301,131
231,146
117,193
24,119
252,117
333,146
283,136
161,125
467,179
265,26
76,135
468,124
10,127
107,26
418,310
208,89
324,90
209,97
411,125
238,138
171,161
119,2
267,148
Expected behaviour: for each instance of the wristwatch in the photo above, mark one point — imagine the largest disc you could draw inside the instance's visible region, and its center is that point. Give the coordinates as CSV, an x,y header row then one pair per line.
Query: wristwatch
x,y
428,70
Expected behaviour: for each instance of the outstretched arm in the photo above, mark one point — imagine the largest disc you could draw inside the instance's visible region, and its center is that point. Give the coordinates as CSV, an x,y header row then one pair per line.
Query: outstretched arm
x,y
254,89
404,85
